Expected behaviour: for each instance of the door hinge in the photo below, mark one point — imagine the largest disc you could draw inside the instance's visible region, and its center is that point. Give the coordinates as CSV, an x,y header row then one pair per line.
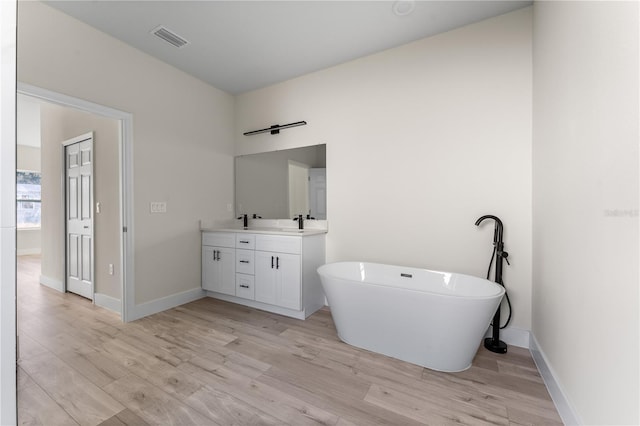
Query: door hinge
x,y
124,229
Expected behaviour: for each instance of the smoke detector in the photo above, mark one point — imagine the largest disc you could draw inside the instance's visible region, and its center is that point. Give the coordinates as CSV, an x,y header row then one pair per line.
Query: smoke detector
x,y
169,36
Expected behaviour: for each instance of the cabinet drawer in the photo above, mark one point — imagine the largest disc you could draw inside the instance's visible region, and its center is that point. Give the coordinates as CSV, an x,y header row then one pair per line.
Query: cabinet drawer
x,y
219,239
245,286
278,243
244,261
245,241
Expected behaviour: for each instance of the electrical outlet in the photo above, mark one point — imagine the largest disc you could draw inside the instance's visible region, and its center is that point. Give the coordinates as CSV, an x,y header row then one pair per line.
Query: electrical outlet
x,y
111,269
158,207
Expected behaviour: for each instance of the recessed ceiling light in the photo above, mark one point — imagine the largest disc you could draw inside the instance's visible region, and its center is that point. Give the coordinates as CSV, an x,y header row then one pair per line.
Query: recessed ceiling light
x,y
404,7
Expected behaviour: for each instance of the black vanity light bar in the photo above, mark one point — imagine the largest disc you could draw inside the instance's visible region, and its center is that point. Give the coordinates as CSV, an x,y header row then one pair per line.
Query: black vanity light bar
x,y
275,129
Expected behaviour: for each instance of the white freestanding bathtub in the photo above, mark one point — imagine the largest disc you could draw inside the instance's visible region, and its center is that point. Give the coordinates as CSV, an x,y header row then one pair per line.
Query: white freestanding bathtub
x,y
430,318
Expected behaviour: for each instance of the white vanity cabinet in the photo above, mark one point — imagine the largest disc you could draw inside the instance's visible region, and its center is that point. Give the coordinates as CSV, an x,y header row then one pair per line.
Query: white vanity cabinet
x,y
218,263
276,273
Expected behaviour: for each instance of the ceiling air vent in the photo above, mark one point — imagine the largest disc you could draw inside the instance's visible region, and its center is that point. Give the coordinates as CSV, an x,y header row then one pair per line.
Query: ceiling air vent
x,y
169,36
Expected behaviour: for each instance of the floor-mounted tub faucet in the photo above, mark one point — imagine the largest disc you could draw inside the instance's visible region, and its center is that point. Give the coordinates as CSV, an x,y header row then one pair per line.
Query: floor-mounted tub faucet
x,y
493,343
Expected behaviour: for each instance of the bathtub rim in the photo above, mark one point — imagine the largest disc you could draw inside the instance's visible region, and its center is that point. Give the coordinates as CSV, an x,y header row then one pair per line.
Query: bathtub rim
x,y
500,293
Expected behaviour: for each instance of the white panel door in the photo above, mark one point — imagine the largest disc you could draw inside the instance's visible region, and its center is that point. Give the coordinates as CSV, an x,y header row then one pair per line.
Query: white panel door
x,y
318,193
79,215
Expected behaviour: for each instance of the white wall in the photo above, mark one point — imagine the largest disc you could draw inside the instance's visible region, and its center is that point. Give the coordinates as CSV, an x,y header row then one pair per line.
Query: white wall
x,y
7,212
585,221
182,139
28,121
421,141
28,157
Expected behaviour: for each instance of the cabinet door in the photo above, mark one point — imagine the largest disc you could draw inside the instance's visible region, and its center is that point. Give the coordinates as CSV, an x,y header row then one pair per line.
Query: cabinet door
x,y
277,279
226,274
208,268
218,269
288,283
265,277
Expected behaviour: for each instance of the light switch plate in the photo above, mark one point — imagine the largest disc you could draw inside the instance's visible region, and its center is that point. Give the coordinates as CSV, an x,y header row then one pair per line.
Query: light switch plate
x,y
158,206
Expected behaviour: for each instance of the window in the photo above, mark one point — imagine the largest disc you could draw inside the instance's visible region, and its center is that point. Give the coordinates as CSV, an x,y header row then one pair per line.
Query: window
x,y
28,199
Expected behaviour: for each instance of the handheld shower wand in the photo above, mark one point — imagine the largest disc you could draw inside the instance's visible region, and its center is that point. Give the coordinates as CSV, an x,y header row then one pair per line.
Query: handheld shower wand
x,y
493,343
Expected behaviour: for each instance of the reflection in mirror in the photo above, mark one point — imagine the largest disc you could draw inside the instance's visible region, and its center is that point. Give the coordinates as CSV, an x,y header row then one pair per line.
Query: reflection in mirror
x,y
282,184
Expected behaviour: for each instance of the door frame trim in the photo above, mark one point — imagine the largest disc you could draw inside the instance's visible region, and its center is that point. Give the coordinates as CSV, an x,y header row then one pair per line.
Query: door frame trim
x,y
126,182
65,144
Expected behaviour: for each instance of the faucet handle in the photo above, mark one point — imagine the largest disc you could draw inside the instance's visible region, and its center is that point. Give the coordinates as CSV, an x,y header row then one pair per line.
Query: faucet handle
x,y
255,216
242,216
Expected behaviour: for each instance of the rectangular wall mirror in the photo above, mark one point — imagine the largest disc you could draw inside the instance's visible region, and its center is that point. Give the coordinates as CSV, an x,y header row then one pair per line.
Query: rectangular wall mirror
x,y
282,184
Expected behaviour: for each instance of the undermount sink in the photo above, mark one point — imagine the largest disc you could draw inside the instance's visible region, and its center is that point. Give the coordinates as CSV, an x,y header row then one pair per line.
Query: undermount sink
x,y
292,230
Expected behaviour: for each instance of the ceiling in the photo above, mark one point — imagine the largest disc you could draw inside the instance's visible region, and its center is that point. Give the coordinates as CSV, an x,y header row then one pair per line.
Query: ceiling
x,y
238,46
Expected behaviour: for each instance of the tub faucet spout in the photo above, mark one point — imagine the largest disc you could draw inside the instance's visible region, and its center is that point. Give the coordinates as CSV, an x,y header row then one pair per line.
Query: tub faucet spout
x,y
497,236
497,231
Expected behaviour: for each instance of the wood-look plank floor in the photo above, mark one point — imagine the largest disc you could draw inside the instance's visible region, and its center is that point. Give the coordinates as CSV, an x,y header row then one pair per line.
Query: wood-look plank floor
x,y
215,363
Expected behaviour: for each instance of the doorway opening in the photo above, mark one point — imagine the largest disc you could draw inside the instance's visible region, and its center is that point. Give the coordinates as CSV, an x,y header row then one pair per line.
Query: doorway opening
x,y
109,241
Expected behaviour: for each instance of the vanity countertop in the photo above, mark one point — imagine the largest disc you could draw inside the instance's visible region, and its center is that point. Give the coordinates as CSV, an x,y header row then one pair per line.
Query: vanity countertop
x,y
272,231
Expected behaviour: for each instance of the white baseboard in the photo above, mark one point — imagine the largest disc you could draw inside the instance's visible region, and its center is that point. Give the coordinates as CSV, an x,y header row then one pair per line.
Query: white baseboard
x,y
28,251
164,303
52,283
107,302
512,336
564,407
